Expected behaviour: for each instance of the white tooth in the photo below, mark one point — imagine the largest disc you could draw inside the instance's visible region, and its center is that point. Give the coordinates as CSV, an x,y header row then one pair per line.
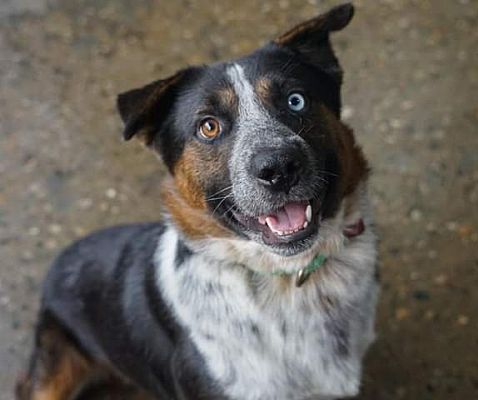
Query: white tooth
x,y
308,213
305,225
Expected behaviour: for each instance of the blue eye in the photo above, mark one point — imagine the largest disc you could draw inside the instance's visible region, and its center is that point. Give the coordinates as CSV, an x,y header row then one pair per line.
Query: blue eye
x,y
296,102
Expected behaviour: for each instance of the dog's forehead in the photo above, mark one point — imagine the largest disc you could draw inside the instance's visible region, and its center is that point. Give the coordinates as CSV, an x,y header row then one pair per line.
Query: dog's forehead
x,y
238,85
251,80
242,85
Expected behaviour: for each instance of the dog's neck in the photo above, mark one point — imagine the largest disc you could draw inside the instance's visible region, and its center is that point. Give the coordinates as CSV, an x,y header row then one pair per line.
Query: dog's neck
x,y
349,221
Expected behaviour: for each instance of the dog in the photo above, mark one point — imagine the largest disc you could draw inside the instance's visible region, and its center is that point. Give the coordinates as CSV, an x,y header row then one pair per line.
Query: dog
x,y
261,280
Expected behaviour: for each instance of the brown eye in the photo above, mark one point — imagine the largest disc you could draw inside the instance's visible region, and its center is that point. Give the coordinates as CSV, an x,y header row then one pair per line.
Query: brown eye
x,y
209,128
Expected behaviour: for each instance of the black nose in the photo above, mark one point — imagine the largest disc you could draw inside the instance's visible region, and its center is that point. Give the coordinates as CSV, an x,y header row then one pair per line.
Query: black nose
x,y
278,169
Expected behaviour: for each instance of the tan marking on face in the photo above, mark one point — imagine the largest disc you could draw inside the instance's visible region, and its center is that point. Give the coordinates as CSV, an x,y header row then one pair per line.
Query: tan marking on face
x,y
228,98
263,88
195,223
353,165
184,197
187,176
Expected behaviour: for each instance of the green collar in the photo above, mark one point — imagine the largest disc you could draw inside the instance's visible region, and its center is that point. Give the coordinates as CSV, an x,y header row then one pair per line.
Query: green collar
x,y
350,231
303,274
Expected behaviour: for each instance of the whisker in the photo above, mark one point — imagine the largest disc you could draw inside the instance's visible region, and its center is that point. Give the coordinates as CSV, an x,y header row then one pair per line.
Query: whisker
x,y
327,172
229,209
222,201
322,179
301,130
218,198
221,190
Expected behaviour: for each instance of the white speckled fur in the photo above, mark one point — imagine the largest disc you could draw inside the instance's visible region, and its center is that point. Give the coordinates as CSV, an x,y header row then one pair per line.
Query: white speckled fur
x,y
263,338
257,130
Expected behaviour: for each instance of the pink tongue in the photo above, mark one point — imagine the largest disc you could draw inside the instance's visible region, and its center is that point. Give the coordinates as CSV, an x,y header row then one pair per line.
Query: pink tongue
x,y
289,218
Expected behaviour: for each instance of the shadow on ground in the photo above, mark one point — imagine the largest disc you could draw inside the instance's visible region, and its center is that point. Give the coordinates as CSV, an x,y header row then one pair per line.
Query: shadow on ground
x,y
410,93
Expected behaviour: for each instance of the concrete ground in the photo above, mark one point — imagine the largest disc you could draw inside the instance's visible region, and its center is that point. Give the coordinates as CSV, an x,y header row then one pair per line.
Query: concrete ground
x,y
411,93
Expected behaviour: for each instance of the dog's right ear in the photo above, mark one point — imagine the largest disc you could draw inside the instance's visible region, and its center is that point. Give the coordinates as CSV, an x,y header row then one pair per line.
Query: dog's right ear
x,y
143,110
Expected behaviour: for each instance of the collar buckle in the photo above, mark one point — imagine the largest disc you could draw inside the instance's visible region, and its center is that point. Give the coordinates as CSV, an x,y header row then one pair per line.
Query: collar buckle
x,y
301,277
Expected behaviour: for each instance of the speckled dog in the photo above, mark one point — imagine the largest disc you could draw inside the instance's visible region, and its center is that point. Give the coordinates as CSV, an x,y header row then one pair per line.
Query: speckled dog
x,y
261,281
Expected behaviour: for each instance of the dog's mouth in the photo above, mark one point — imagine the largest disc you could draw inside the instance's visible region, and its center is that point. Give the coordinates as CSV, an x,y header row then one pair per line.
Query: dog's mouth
x,y
294,221
290,219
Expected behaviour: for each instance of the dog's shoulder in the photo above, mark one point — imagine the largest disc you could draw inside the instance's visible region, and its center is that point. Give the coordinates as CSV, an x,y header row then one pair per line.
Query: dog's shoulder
x,y
98,257
102,290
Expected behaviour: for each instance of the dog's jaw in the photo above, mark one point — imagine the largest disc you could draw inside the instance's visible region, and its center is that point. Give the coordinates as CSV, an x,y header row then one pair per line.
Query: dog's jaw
x,y
329,241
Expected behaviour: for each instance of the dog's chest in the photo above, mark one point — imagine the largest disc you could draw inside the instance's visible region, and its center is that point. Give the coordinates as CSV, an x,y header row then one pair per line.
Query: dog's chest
x,y
288,349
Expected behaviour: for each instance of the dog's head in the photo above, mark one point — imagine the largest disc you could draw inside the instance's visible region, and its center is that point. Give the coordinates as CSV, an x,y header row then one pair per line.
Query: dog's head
x,y
255,147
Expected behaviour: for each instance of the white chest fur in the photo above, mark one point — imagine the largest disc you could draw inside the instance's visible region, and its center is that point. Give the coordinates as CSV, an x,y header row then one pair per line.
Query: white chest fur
x,y
304,343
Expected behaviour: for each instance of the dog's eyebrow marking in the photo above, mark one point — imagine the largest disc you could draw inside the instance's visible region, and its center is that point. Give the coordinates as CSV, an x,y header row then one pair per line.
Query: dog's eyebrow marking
x,y
263,89
228,97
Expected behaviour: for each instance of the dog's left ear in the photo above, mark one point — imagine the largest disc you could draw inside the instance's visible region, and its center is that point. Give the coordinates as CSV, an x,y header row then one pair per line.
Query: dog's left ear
x,y
144,110
311,38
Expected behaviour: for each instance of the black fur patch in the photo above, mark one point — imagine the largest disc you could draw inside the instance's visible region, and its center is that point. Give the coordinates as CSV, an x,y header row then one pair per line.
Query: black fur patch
x,y
338,329
182,253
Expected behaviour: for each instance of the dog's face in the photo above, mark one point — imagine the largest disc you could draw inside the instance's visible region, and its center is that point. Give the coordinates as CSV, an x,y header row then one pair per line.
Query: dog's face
x,y
255,146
